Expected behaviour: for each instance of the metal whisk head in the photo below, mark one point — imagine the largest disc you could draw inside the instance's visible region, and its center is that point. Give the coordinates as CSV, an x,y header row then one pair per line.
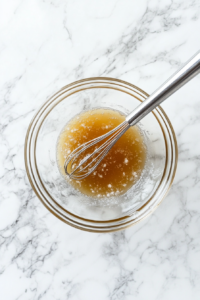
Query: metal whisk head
x,y
84,159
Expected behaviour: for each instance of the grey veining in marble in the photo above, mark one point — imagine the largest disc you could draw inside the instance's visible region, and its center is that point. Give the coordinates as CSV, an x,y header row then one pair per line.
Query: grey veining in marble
x,y
44,45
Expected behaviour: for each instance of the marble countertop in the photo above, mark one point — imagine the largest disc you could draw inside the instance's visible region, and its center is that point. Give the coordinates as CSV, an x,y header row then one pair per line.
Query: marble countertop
x,y
44,45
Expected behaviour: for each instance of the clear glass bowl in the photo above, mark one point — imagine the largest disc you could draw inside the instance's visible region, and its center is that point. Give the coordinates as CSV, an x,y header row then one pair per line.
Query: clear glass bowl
x,y
70,205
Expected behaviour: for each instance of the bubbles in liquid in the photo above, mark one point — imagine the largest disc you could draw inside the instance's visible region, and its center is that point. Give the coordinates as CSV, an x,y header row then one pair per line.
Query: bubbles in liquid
x,y
119,169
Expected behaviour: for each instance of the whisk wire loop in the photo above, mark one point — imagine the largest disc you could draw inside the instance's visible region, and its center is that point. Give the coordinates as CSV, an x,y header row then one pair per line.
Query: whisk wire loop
x,y
81,171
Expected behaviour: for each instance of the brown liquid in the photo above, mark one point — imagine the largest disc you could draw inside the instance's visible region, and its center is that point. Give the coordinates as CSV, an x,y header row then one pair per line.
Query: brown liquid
x,y
119,169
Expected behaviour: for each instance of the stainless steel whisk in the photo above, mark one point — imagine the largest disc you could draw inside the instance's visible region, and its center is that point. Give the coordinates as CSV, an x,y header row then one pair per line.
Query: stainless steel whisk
x,y
89,163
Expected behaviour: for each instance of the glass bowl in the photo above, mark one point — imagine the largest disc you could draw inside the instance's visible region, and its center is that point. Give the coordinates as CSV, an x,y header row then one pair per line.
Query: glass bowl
x,y
68,204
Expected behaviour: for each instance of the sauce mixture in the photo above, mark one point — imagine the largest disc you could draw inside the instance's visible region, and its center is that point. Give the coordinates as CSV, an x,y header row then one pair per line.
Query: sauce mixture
x,y
119,169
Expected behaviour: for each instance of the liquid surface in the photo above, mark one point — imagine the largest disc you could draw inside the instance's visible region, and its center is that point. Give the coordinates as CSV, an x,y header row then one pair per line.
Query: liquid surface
x,y
119,169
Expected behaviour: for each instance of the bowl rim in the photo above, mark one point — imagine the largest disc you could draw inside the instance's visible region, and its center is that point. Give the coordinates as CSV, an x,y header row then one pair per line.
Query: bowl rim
x,y
50,100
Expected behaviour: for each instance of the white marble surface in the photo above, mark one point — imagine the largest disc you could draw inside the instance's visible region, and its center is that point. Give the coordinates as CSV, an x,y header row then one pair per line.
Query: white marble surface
x,y
45,44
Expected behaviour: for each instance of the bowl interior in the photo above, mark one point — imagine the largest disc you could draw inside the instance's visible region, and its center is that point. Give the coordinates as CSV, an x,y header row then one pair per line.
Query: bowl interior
x,y
62,193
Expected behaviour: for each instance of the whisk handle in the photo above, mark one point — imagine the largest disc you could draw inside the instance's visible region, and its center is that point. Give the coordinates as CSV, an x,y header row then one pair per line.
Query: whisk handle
x,y
180,78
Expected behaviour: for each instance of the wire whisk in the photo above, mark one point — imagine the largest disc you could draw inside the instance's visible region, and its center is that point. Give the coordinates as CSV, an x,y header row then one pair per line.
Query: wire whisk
x,y
84,159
